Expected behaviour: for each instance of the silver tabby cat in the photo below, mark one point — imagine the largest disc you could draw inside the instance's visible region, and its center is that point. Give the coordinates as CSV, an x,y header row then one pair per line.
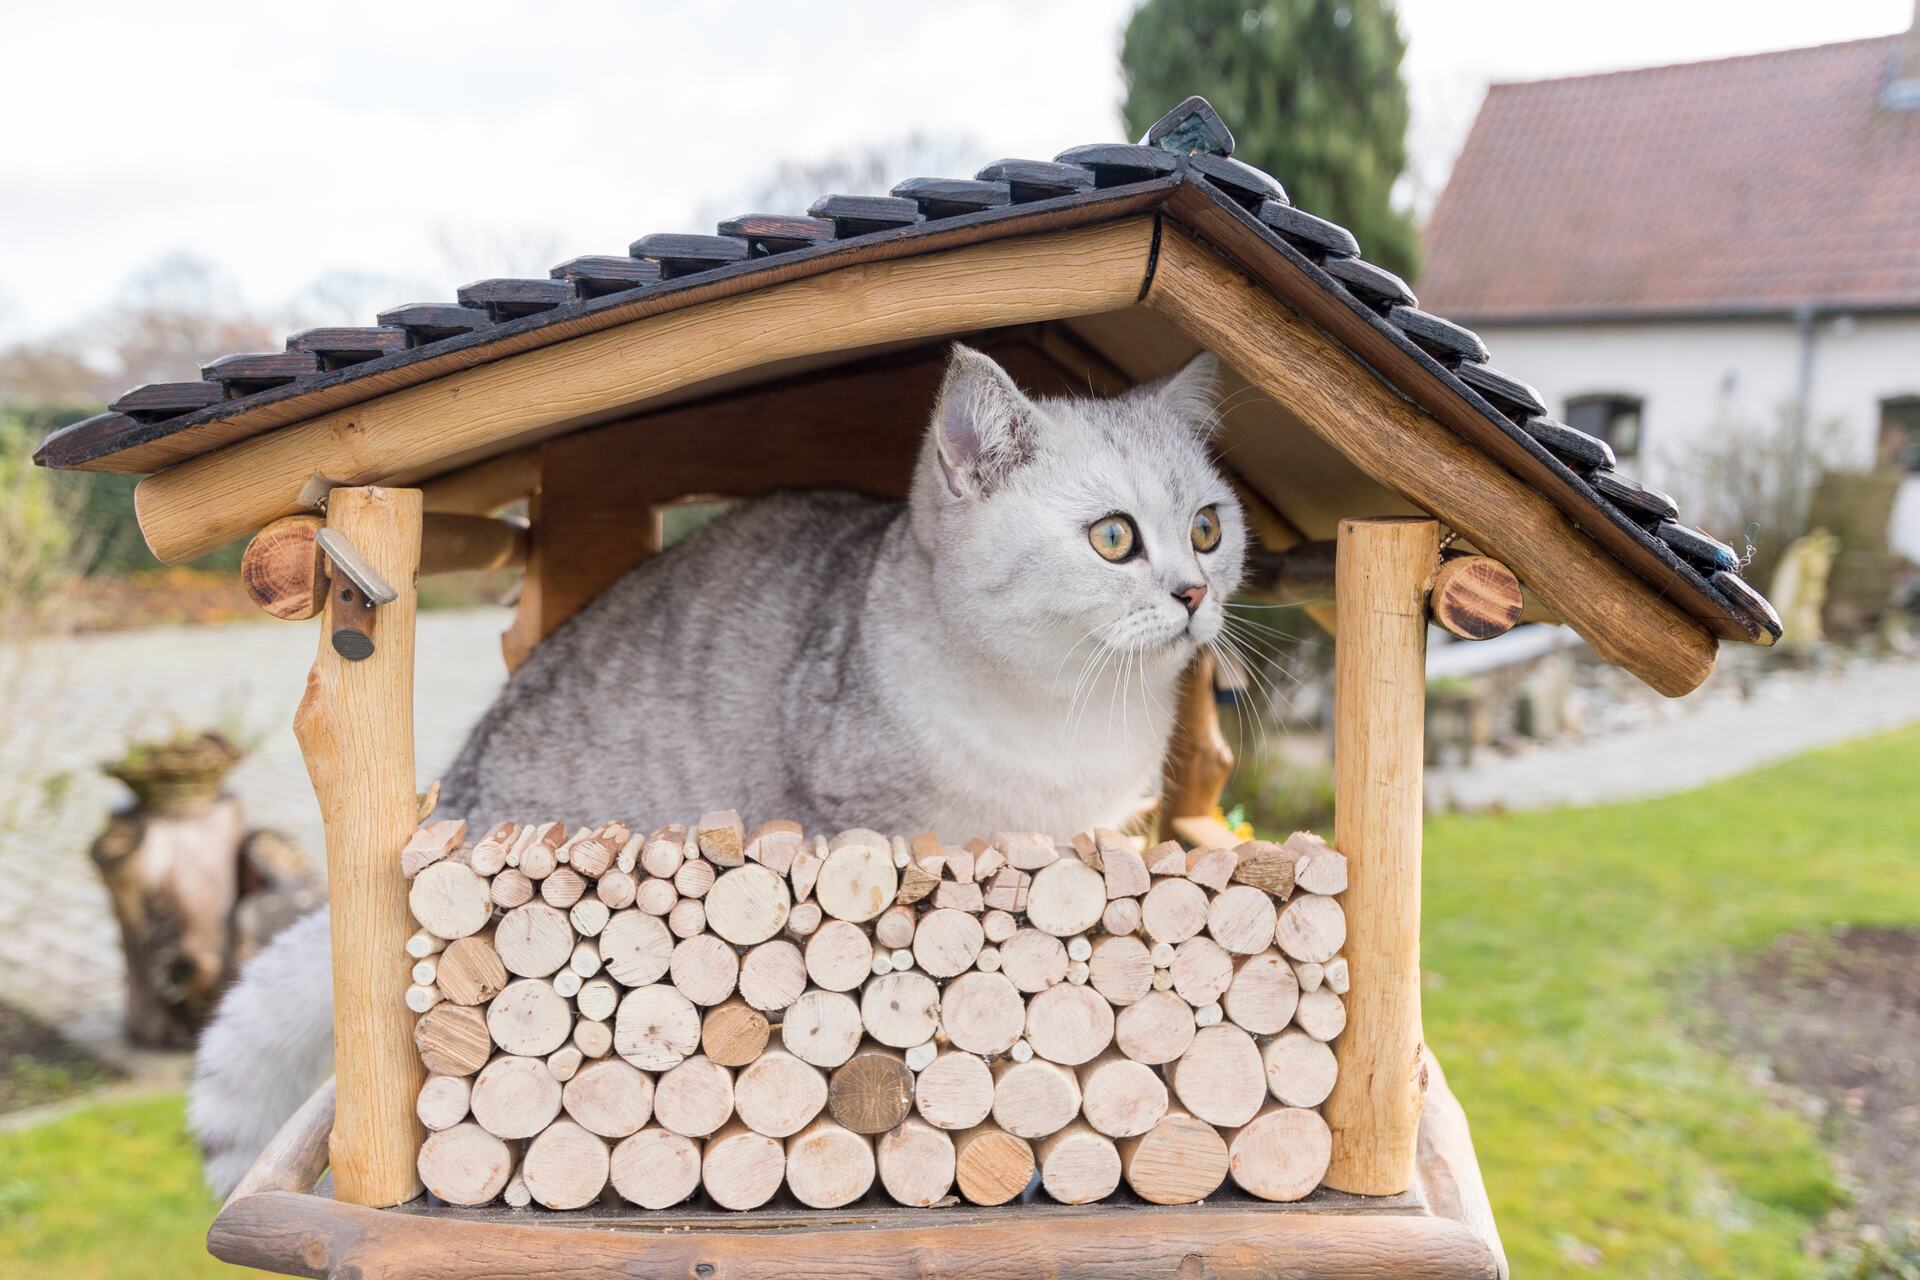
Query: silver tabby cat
x,y
999,652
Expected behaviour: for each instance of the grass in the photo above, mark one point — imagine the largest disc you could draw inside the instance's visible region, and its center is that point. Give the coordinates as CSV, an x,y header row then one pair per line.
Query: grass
x,y
110,1192
1564,953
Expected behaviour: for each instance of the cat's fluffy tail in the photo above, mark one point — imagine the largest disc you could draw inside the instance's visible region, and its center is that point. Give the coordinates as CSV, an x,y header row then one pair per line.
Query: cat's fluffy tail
x,y
269,1046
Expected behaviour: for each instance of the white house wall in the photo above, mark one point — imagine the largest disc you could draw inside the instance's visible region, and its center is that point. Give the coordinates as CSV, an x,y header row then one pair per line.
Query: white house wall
x,y
1696,376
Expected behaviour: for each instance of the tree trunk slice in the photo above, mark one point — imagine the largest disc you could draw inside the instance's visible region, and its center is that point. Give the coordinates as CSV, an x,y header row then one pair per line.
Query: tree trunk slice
x,y
590,915
515,1097
916,1163
469,971
656,1028
609,1098
530,1018
822,1027
1181,1160
999,926
991,1165
778,1095
1069,1024
656,1169
1312,928
705,970
828,1165
742,1169
1263,995
982,1013
1034,1098
465,1165
1281,1155
1300,1070
510,889
664,852
533,941
695,1098
857,882
1220,1078
1066,898
450,900
954,1091
733,1033
592,1039
687,918
1241,918
1155,1029
1174,910
1077,1165
694,879
948,942
900,1009
1322,1014
1120,969
894,927
1119,1097
839,956
773,975
597,1000
443,1101
563,888
453,1040
872,1091
747,905
1033,961
565,1167
658,897
635,948
1202,971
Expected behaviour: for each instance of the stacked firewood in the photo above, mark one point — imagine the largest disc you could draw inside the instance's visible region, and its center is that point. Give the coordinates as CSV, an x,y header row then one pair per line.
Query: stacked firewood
x,y
710,1009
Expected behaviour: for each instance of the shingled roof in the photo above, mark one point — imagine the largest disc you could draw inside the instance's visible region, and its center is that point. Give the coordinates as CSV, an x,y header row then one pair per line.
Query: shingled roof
x,y
1182,170
1746,185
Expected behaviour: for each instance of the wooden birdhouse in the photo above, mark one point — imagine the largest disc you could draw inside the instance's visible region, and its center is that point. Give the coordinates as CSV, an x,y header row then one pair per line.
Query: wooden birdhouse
x,y
1390,473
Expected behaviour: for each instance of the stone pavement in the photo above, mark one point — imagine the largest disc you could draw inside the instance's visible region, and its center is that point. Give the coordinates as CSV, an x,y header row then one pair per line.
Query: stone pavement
x,y
59,946
1740,720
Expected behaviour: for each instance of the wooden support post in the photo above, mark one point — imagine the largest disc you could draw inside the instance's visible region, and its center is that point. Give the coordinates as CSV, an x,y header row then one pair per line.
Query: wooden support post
x,y
355,728
1199,761
1384,569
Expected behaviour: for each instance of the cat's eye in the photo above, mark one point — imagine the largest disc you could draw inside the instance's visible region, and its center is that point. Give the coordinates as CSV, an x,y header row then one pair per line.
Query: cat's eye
x,y
1114,537
1206,529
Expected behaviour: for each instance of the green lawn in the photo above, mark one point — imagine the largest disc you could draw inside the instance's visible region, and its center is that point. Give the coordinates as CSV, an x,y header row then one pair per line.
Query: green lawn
x,y
1564,953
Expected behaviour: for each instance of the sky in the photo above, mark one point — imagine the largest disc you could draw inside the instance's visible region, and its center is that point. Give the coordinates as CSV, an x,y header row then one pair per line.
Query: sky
x,y
421,143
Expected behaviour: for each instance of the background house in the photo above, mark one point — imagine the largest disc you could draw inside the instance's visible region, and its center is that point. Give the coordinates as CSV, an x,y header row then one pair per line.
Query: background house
x,y
1699,260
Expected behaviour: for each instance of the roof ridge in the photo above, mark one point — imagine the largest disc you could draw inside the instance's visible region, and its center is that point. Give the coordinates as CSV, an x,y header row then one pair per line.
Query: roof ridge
x,y
1891,38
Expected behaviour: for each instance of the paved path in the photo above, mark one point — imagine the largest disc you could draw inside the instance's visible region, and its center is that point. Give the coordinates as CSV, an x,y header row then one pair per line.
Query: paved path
x,y
1714,734
59,946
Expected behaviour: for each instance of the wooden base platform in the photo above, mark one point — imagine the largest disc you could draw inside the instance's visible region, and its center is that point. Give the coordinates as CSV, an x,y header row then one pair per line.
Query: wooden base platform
x,y
282,1219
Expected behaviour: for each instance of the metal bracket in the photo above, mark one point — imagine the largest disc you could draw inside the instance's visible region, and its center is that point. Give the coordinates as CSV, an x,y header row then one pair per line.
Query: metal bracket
x,y
342,555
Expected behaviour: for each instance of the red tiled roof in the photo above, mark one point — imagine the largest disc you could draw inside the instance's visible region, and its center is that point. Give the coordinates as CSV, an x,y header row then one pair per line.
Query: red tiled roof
x,y
1749,184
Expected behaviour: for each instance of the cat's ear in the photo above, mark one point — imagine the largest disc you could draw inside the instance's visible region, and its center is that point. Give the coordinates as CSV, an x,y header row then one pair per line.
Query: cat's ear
x,y
983,426
1190,393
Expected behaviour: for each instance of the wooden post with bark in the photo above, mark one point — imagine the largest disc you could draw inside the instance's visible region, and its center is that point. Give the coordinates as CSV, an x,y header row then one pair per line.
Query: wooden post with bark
x,y
355,728
1384,568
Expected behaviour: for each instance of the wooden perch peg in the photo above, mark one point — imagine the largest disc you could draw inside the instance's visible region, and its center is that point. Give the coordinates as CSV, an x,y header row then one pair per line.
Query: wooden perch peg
x,y
284,572
1475,597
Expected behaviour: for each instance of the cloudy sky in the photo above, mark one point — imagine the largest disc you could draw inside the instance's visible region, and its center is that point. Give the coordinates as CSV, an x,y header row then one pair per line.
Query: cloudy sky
x,y
417,140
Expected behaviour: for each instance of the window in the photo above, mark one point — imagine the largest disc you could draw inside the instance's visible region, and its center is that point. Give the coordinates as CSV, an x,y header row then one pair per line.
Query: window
x,y
1900,433
1613,418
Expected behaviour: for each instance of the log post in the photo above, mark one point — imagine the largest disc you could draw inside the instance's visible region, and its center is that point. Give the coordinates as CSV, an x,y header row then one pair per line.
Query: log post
x,y
1199,762
1384,568
355,728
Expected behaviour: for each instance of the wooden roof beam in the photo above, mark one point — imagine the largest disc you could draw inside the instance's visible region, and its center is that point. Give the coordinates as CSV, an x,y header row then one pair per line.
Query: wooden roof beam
x,y
1400,446
206,502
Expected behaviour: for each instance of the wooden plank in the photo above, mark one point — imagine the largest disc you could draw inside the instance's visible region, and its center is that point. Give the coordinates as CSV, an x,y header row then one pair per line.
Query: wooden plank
x,y
1379,696
355,728
1288,276
1626,620
114,443
484,487
209,501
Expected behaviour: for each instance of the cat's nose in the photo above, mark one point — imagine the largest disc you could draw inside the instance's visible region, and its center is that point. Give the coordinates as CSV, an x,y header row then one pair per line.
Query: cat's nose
x,y
1191,597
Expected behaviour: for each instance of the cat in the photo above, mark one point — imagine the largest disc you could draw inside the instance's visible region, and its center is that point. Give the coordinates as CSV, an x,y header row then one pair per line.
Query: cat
x,y
1001,651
